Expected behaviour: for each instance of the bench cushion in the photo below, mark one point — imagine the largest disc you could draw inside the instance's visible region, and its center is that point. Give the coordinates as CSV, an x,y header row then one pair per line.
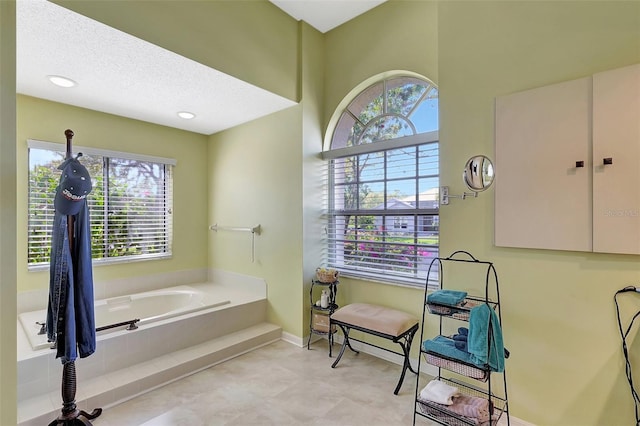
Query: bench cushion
x,y
377,318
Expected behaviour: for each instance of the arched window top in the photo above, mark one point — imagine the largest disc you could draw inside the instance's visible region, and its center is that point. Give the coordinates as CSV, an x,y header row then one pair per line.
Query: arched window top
x,y
388,109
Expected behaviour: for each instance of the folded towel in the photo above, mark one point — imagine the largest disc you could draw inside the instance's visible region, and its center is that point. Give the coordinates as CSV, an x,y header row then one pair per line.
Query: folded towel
x,y
439,392
471,407
485,342
446,347
447,297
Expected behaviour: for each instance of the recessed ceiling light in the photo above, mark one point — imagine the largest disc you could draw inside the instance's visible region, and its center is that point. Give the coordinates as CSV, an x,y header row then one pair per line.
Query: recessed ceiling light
x,y
61,81
186,115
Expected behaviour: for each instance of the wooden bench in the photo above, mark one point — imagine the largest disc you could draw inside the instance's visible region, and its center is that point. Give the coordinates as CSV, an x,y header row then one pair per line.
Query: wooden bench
x,y
387,323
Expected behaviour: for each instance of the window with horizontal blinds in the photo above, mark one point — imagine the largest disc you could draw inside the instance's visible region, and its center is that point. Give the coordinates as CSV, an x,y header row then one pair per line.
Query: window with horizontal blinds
x,y
130,205
384,223
383,179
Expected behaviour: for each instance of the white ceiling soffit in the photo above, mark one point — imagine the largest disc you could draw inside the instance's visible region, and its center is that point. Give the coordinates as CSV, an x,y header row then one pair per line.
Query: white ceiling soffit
x,y
325,15
120,74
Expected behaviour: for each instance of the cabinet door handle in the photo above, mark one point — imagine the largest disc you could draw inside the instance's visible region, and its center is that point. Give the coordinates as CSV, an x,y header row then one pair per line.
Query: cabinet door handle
x,y
608,160
579,163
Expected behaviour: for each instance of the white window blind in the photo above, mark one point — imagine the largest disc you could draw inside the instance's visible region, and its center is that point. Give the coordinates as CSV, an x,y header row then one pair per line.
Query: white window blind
x,y
383,218
130,204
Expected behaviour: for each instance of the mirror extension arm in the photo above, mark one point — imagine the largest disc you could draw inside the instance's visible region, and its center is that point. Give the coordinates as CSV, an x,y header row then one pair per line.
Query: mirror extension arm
x,y
444,195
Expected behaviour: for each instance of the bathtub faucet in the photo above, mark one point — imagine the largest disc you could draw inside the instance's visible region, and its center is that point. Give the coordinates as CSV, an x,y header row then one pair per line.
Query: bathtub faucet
x,y
43,327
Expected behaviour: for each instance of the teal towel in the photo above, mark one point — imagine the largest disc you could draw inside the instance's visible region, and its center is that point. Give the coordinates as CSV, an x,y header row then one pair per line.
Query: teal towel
x,y
447,348
447,297
485,342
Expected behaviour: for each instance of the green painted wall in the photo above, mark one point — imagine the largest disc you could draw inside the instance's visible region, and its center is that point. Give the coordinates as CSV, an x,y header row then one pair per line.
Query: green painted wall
x,y
567,365
313,168
44,120
397,35
8,307
255,178
268,172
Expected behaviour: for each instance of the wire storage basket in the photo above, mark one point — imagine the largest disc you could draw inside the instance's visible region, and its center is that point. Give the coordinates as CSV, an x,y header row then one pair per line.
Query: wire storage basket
x,y
460,312
444,413
457,366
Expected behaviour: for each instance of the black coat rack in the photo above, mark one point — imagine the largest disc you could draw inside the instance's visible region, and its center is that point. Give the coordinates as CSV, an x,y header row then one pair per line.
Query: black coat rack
x,y
70,415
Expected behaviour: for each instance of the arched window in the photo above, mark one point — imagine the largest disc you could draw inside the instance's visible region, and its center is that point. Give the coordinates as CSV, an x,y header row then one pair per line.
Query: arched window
x,y
383,221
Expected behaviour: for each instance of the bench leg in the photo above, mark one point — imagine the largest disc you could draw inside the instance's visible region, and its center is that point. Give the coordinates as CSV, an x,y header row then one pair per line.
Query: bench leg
x,y
406,347
345,343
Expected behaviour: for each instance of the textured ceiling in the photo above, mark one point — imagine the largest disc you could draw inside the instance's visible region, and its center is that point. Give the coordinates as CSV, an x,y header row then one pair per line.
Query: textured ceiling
x,y
123,75
126,76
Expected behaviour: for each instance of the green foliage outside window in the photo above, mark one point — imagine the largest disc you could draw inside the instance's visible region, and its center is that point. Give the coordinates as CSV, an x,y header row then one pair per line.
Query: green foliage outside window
x,y
129,206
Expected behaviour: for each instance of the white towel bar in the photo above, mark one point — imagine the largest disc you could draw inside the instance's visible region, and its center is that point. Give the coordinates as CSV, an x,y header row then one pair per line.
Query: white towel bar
x,y
255,230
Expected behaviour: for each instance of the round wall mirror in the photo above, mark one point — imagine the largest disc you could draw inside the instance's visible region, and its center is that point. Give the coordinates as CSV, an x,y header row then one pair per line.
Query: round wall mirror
x,y
478,173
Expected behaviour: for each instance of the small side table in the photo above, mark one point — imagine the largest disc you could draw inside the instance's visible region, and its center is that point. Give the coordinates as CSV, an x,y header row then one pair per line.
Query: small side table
x,y
319,322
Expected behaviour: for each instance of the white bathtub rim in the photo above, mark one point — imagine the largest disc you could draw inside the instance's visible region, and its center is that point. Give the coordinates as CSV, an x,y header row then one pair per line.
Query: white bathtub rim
x,y
35,300
230,296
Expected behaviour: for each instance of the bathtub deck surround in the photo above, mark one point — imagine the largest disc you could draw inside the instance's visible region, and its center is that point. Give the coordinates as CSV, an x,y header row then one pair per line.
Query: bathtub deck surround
x,y
133,311
129,363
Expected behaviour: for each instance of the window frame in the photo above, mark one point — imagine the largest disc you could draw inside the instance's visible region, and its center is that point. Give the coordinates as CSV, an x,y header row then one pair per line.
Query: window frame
x,y
423,219
109,155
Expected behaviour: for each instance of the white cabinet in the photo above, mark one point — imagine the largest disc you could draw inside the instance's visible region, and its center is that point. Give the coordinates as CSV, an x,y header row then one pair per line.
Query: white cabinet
x,y
542,200
553,188
616,136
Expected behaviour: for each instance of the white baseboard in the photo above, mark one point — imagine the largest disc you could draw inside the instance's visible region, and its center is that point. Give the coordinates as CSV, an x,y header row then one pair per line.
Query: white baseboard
x,y
294,340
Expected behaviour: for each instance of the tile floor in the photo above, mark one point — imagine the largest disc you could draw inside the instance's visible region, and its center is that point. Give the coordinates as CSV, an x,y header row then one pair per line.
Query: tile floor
x,y
277,384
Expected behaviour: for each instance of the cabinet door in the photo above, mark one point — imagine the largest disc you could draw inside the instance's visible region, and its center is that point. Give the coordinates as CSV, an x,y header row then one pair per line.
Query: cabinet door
x,y
542,199
616,186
